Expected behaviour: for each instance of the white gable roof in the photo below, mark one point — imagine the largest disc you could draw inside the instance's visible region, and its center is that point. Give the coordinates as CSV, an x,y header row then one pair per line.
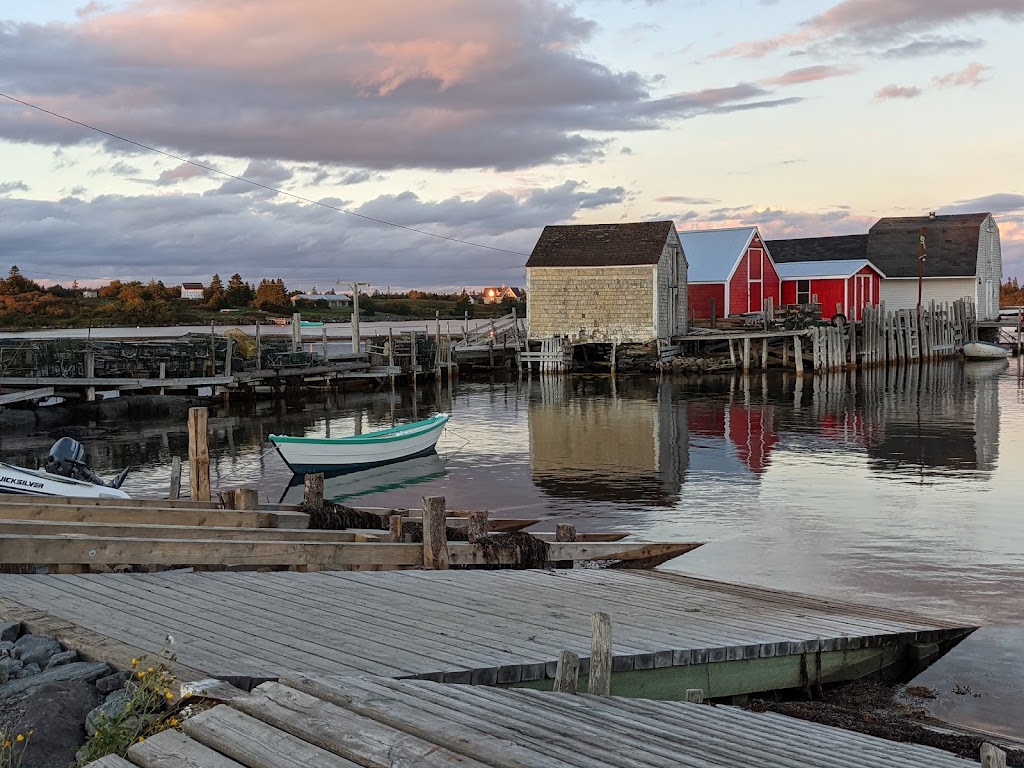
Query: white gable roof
x,y
837,268
712,254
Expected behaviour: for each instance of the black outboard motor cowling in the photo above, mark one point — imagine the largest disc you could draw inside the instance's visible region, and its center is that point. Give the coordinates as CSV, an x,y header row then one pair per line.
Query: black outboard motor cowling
x,y
67,459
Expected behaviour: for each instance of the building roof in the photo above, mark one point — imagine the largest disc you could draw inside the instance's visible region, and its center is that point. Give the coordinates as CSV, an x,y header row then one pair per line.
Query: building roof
x,y
712,254
601,245
834,268
192,286
951,245
837,248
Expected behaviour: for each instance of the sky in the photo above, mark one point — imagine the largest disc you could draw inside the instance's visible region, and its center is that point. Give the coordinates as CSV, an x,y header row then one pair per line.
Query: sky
x,y
469,125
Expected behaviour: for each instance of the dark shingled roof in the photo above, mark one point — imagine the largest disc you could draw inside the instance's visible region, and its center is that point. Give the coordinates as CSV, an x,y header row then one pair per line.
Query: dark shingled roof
x,y
600,245
951,245
843,247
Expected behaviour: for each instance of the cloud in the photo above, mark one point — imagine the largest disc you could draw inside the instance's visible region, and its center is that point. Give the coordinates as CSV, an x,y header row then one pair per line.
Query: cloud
x,y
264,173
897,92
931,45
181,173
808,75
781,223
969,75
860,23
118,168
174,236
687,200
387,85
13,186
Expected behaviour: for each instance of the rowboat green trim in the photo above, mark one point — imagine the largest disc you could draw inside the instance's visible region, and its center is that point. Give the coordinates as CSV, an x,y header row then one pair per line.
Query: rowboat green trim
x,y
394,434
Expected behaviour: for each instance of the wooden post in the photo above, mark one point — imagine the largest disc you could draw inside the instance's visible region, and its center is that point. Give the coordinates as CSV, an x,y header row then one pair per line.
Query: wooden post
x,y
714,320
259,347
992,756
163,375
764,354
695,695
296,331
746,354
567,673
564,532
1020,319
435,544
785,352
853,344
175,478
247,498
732,354
614,356
395,528
490,351
198,455
313,496
477,525
324,335
90,372
798,356
227,355
600,655
356,342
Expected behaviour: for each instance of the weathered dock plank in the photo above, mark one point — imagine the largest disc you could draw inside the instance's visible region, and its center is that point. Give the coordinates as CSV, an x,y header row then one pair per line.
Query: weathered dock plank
x,y
172,749
202,515
470,626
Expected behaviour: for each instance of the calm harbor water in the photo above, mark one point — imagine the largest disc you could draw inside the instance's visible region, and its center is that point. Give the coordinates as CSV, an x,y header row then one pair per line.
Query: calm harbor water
x,y
900,488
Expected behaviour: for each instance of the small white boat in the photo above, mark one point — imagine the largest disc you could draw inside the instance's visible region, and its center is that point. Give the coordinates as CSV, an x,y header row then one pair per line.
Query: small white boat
x,y
330,454
34,482
984,350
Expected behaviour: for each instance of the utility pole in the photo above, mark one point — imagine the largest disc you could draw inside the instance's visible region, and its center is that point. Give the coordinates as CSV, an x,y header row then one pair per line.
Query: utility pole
x,y
355,313
920,273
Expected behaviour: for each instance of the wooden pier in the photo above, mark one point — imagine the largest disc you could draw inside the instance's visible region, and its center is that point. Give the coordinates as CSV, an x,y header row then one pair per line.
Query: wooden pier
x,y
313,722
672,632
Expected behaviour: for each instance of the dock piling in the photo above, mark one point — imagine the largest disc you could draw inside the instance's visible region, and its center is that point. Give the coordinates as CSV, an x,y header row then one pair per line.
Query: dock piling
x,y
313,495
175,490
247,499
435,544
198,455
567,672
600,655
992,756
477,525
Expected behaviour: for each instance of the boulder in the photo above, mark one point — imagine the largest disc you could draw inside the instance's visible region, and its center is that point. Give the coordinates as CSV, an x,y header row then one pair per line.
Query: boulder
x,y
9,631
108,710
59,659
113,682
6,649
55,713
33,649
11,666
77,671
28,669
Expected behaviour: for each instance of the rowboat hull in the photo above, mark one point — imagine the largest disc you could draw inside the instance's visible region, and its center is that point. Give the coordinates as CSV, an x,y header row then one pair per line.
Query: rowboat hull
x,y
983,350
316,454
30,482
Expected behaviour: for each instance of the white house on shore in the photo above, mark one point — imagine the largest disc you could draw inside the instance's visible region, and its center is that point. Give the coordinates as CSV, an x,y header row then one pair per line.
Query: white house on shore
x,y
193,291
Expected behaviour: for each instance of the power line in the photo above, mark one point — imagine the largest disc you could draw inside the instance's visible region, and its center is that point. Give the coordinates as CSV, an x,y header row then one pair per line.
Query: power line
x,y
255,183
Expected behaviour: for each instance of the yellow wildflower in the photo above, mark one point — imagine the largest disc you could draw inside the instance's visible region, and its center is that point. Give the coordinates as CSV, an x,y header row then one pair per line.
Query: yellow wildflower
x,y
21,737
135,662
141,739
150,669
7,744
140,675
169,695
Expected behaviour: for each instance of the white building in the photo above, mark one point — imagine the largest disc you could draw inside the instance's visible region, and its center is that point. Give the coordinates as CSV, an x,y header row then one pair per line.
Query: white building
x,y
192,291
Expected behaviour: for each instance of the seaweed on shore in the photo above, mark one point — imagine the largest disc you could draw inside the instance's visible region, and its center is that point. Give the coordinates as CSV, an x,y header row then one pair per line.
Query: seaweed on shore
x,y
338,517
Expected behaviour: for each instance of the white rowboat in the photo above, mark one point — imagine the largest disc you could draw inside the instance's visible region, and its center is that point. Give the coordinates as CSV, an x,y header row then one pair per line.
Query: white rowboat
x,y
34,482
983,350
327,454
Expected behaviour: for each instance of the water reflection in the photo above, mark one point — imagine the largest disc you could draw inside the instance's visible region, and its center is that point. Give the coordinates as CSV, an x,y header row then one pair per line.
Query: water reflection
x,y
348,487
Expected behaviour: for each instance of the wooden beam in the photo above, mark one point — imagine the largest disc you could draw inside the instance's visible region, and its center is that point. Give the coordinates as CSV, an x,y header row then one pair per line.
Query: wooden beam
x,y
435,545
90,513
175,490
29,394
167,531
600,676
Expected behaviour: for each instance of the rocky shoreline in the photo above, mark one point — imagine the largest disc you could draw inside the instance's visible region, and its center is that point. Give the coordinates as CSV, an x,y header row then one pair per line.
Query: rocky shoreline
x,y
46,689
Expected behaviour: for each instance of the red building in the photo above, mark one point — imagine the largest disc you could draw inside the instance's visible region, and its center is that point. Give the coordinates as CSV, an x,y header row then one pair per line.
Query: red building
x,y
730,272
838,287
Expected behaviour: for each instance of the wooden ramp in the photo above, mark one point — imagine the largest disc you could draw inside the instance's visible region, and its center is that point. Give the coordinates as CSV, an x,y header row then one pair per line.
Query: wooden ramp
x,y
481,627
308,722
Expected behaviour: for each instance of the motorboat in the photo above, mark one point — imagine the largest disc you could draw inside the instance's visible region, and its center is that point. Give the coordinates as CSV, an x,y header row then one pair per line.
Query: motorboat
x,y
387,446
984,350
66,474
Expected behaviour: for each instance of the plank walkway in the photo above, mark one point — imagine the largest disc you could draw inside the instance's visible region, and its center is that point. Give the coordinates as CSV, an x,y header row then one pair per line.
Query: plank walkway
x,y
307,722
481,627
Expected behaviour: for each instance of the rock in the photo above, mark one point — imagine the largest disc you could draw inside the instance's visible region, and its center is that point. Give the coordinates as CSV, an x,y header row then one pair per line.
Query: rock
x,y
14,419
11,665
108,710
113,682
28,669
77,671
9,631
59,659
56,714
4,675
35,649
6,649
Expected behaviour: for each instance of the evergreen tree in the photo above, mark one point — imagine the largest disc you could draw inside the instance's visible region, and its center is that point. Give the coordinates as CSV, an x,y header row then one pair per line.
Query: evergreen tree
x,y
238,293
213,295
272,296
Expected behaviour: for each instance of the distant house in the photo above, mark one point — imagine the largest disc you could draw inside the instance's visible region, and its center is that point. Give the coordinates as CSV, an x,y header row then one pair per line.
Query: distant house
x,y
607,282
496,295
90,293
192,291
838,287
730,270
963,258
333,299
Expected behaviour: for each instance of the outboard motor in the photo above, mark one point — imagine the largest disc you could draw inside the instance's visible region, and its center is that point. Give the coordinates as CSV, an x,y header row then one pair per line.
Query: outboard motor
x,y
67,459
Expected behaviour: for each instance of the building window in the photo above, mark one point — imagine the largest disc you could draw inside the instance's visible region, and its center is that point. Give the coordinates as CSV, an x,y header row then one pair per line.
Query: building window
x,y
803,291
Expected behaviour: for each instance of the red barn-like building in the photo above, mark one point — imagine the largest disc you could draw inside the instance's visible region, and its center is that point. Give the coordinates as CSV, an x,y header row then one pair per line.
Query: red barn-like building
x,y
841,287
729,269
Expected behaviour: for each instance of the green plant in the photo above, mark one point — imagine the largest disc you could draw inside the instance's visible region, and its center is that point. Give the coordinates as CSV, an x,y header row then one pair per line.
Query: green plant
x,y
12,747
145,709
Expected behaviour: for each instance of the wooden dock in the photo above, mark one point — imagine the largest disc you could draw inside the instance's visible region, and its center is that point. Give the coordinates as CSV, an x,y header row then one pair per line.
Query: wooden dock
x,y
480,627
308,722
